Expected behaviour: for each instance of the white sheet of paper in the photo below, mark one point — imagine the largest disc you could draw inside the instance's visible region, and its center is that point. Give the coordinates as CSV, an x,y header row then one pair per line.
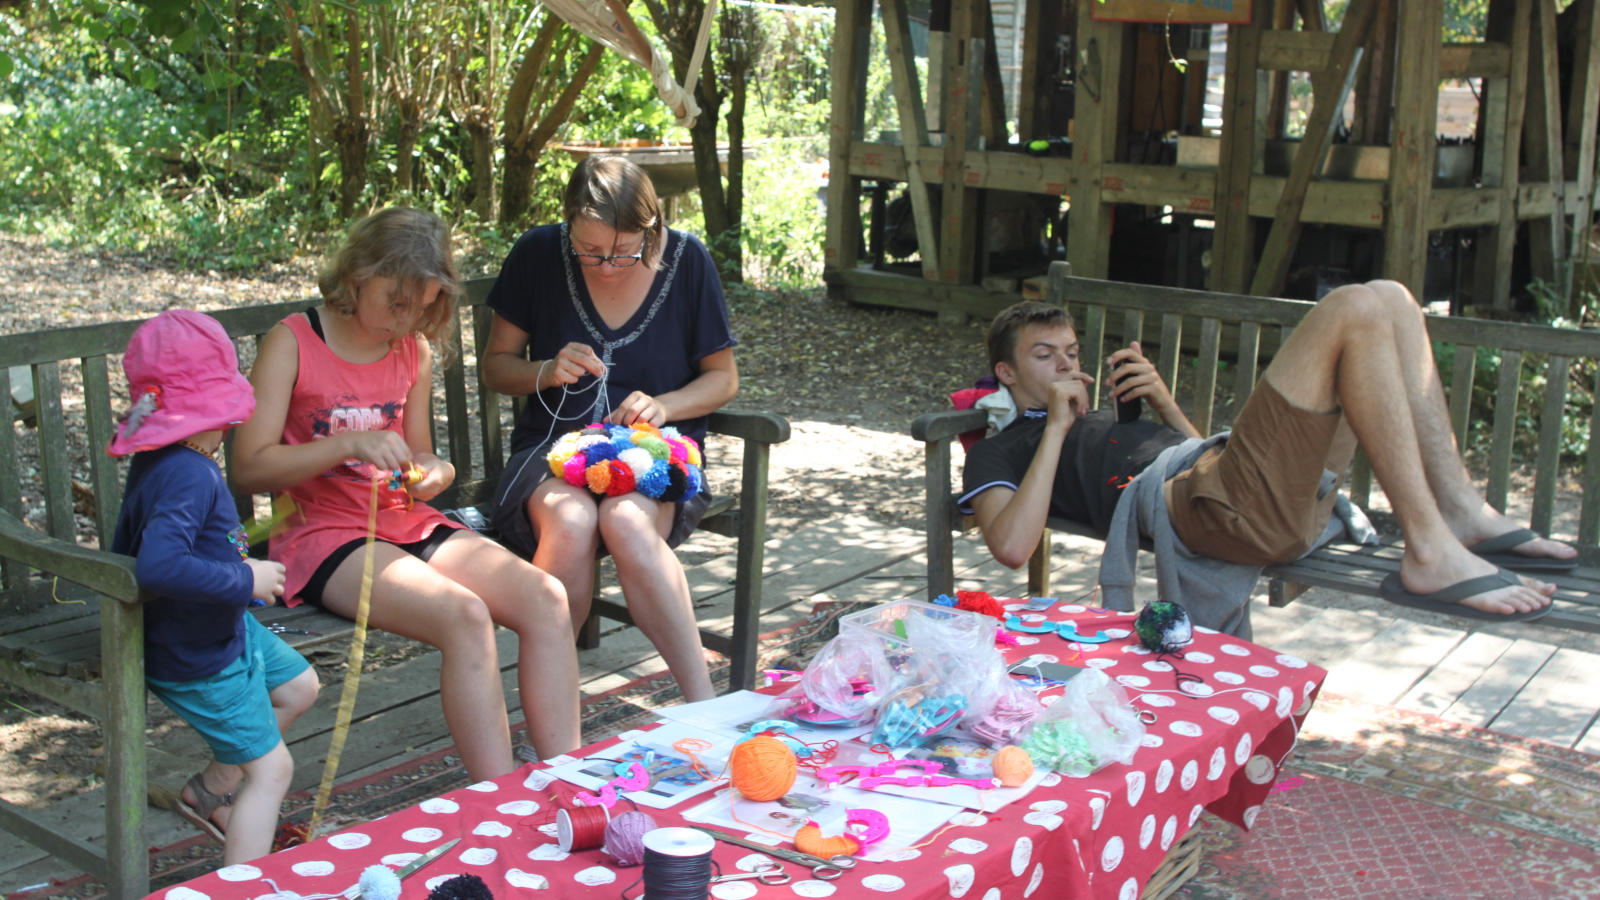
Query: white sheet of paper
x,y
910,820
673,777
732,714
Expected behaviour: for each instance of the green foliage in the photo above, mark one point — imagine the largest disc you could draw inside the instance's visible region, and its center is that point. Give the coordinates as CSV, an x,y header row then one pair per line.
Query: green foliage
x,y
1575,415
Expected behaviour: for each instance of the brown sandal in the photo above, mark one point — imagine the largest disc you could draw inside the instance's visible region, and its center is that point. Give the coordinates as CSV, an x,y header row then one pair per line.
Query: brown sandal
x,y
206,803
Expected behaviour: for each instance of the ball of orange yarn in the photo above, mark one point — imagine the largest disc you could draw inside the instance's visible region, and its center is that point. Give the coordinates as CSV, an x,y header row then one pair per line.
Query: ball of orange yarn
x,y
762,768
811,840
1012,766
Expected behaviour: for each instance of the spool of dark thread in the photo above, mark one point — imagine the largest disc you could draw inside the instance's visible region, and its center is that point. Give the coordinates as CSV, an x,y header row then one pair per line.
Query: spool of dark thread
x,y
677,864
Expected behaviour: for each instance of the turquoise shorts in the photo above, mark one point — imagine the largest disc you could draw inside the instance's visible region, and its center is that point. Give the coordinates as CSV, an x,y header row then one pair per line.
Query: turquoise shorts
x,y
232,709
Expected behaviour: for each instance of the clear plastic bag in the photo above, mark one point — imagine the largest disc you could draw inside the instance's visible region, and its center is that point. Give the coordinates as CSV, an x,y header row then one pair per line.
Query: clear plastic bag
x,y
843,685
1091,726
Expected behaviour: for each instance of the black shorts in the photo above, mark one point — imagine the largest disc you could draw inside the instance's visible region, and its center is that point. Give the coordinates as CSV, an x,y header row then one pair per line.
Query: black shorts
x,y
423,550
526,470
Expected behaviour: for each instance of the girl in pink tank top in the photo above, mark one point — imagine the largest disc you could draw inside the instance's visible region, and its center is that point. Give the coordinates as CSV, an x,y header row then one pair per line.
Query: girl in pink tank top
x,y
341,402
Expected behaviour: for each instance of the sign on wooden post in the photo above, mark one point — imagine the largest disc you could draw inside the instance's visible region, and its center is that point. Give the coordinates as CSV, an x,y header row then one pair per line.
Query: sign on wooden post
x,y
1177,12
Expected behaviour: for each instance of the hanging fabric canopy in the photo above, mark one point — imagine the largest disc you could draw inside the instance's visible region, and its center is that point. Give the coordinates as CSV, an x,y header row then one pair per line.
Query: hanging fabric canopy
x,y
608,22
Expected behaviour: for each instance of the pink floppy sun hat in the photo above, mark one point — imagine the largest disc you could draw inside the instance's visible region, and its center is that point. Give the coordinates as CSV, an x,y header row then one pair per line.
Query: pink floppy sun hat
x,y
183,378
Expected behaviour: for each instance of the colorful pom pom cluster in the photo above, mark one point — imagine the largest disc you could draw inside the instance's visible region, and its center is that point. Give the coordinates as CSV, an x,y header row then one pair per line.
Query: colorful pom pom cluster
x,y
612,460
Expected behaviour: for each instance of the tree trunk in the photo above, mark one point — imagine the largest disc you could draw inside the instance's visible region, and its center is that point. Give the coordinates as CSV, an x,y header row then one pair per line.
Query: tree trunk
x,y
480,129
525,142
350,134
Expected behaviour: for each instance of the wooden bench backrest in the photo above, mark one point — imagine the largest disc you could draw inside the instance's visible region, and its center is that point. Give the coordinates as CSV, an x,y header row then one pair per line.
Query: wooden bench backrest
x,y
1120,310
96,350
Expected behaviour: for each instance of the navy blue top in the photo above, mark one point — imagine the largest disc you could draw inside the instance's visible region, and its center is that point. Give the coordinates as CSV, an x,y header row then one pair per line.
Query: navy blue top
x,y
683,320
176,519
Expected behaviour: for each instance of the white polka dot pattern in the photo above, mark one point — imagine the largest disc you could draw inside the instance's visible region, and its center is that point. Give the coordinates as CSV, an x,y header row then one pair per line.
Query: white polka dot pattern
x,y
960,878
1163,776
1190,776
439,806
1034,881
734,890
313,868
529,880
887,884
595,875
971,846
421,835
1021,855
813,888
239,872
1111,854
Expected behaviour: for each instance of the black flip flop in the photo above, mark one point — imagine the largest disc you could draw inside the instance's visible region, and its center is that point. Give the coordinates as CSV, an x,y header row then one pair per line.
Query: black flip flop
x,y
1498,550
1448,600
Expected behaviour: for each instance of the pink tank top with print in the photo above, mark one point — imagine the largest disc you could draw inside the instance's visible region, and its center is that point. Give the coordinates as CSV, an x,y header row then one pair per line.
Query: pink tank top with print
x,y
332,396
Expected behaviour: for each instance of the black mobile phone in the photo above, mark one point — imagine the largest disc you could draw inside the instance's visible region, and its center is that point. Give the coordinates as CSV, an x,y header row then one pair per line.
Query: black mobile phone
x,y
1127,410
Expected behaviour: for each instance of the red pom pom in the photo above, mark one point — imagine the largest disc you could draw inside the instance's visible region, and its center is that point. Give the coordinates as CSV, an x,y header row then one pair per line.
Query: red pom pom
x,y
621,478
980,602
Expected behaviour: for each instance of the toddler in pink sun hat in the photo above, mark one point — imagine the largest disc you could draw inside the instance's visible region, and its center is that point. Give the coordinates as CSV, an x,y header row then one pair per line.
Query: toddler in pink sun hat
x,y
206,658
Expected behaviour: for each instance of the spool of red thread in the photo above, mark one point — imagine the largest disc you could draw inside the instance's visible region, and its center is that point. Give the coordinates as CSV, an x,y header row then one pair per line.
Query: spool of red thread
x,y
581,828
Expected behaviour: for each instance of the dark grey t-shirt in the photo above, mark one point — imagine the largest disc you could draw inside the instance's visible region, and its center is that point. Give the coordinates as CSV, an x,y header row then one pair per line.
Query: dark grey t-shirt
x,y
1099,457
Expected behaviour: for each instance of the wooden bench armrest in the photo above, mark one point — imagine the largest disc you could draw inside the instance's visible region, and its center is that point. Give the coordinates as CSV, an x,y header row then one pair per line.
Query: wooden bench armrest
x,y
762,427
106,573
942,426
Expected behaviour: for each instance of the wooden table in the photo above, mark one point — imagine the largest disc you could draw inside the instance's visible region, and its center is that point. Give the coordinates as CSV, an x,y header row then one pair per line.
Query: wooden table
x,y
1217,747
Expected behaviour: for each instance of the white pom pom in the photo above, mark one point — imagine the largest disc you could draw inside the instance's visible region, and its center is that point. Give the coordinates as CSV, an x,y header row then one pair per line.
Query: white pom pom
x,y
637,459
379,883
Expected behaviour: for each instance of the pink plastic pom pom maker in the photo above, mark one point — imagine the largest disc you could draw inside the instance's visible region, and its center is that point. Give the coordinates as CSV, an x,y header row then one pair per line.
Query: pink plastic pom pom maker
x,y
637,779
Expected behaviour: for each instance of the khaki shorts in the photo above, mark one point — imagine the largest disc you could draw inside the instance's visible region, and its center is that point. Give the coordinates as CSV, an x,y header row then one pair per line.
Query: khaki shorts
x,y
1254,500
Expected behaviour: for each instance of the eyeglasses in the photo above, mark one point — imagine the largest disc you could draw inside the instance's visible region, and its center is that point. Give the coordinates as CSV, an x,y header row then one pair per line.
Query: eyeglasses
x,y
619,260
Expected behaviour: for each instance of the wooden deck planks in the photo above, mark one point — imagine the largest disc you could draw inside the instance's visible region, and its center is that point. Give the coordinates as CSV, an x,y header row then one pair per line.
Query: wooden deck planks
x,y
1482,676
1558,703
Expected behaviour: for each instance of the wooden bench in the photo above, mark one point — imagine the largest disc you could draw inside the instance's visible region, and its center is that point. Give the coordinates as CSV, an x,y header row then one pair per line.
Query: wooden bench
x,y
73,629
1242,331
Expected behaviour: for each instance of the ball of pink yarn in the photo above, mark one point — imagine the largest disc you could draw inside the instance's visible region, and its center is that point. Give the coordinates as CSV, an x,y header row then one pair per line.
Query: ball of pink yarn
x,y
625,837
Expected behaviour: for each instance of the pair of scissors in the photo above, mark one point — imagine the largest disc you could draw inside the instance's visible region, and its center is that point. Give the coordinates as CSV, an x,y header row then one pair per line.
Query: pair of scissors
x,y
821,869
766,873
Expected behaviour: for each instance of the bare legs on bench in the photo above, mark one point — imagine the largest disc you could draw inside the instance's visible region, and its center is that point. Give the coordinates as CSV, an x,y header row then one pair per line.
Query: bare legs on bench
x,y
570,525
1364,349
453,602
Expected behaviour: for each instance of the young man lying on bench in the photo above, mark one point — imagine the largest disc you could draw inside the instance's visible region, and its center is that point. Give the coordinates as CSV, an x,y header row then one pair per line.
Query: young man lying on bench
x,y
1358,368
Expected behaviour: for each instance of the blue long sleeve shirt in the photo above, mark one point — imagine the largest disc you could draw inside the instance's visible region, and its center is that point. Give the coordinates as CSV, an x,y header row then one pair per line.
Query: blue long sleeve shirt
x,y
176,519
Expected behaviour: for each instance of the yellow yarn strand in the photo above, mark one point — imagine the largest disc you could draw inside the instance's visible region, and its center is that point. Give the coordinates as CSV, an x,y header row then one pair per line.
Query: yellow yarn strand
x,y
352,672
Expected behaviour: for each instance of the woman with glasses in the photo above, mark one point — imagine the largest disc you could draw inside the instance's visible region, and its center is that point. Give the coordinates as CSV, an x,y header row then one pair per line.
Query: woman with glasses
x,y
612,317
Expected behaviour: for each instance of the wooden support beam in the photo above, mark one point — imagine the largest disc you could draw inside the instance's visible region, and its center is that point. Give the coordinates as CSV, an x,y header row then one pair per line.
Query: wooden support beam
x,y
994,91
1583,118
1500,139
1097,110
913,128
1233,243
1034,90
1375,84
1415,147
851,28
963,100
1547,242
1278,81
1327,111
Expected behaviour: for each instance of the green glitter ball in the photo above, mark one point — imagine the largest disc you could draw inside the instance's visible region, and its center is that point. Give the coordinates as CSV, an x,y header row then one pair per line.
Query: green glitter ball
x,y
1164,627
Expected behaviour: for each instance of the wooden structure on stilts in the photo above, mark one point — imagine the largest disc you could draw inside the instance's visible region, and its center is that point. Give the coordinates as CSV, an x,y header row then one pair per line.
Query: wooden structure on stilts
x,y
1112,147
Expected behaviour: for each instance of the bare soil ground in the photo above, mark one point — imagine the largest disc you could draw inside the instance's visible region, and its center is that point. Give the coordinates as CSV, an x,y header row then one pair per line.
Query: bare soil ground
x,y
849,379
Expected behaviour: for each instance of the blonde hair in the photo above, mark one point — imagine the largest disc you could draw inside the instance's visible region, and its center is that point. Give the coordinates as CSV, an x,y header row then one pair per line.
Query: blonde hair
x,y
409,245
614,191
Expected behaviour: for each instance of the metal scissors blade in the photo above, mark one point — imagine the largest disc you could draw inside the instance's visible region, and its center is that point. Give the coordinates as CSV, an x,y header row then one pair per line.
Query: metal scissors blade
x,y
821,869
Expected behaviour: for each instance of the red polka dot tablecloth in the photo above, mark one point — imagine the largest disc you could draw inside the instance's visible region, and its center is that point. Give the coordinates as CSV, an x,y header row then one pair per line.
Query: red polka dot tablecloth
x,y
1215,745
